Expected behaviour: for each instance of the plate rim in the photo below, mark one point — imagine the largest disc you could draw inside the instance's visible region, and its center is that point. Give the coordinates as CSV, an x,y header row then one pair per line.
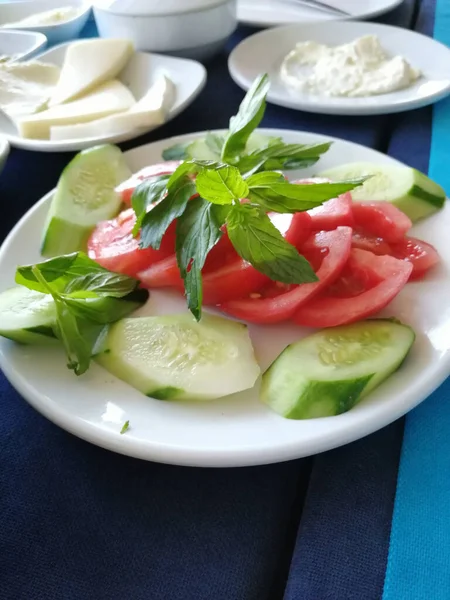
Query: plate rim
x,y
219,457
368,15
16,141
330,109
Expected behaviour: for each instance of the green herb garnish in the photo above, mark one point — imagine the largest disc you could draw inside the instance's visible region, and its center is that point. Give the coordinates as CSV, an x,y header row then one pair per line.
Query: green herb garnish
x,y
125,427
87,299
218,187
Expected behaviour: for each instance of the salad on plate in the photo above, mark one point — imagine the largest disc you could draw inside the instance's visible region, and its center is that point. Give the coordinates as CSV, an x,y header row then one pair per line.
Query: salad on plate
x,y
219,222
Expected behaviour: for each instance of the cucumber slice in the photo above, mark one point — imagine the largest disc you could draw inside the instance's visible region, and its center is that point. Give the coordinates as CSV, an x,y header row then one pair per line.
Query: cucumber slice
x,y
175,358
327,373
411,191
27,316
84,196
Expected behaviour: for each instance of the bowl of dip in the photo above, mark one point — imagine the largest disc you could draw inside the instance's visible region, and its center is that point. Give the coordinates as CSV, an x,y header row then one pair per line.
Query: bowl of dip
x,y
195,29
20,45
59,20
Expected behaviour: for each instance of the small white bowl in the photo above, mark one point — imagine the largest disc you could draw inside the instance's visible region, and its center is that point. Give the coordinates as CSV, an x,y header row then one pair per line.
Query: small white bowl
x,y
20,45
4,151
10,12
189,28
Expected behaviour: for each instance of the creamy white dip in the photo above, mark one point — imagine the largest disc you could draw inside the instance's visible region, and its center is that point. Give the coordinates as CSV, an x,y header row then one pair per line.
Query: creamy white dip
x,y
361,68
48,17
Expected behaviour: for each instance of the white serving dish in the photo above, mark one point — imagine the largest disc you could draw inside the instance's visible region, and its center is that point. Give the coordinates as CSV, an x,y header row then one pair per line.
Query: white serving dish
x,y
21,44
189,28
237,430
264,52
140,73
4,151
55,34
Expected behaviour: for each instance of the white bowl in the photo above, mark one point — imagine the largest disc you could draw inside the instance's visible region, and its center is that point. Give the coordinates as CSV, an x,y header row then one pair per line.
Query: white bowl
x,y
21,44
11,12
189,28
4,151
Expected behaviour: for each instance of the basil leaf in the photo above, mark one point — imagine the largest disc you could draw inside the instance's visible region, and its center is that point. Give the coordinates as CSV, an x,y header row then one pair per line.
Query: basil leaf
x,y
281,156
80,337
105,310
198,230
273,192
177,152
75,274
259,242
215,143
156,222
147,193
221,186
249,116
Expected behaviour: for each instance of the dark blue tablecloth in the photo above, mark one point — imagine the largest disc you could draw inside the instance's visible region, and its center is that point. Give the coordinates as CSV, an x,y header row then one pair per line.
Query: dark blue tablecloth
x,y
80,523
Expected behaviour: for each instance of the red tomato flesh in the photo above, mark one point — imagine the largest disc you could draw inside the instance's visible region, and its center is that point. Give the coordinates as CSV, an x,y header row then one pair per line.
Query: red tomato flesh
x,y
279,302
127,187
381,219
420,254
114,247
370,282
371,243
333,213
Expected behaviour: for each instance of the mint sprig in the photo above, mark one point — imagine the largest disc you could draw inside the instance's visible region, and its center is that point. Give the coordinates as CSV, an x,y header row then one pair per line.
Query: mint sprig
x,y
204,195
87,298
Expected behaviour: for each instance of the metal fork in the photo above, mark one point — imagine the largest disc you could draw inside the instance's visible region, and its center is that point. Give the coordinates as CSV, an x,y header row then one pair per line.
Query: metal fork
x,y
323,6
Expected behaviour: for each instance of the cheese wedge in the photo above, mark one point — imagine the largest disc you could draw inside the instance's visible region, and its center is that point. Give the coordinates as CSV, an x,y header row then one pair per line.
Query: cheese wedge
x,y
89,63
151,110
25,87
109,98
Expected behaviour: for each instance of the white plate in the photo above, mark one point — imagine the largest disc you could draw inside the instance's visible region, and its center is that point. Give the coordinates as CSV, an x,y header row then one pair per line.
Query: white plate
x,y
238,430
270,13
265,51
4,152
11,12
21,44
140,73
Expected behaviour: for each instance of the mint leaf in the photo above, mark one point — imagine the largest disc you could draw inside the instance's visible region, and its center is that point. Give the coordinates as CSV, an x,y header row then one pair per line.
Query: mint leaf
x,y
156,222
75,274
215,143
177,152
105,310
149,192
125,427
273,192
249,116
222,185
198,230
259,242
281,156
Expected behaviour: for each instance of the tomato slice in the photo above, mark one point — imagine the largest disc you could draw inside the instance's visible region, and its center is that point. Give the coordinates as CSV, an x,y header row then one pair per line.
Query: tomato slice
x,y
368,284
381,219
333,213
114,247
420,254
127,187
363,241
279,302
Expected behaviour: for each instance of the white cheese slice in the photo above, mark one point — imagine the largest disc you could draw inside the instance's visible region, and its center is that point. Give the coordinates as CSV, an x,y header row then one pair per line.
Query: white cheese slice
x,y
26,87
151,110
89,63
109,98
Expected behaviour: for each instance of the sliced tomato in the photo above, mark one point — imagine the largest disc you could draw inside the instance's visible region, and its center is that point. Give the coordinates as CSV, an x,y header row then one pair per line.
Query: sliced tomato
x,y
368,284
363,241
333,213
127,187
420,254
328,251
381,219
114,247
